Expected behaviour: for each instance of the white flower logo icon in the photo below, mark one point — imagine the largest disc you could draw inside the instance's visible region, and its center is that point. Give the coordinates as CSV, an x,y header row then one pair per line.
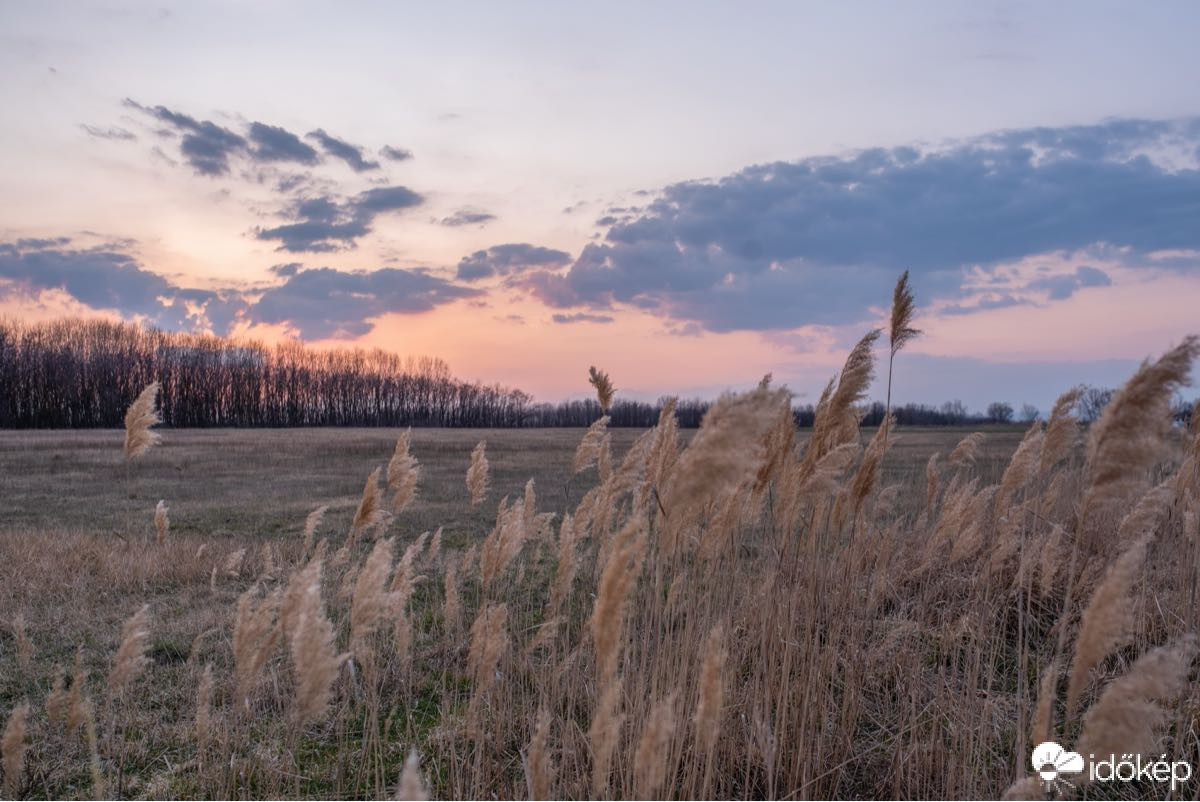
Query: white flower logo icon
x,y
1051,761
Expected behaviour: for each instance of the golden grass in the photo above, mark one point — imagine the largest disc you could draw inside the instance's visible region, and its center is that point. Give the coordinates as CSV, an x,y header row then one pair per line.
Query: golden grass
x,y
750,614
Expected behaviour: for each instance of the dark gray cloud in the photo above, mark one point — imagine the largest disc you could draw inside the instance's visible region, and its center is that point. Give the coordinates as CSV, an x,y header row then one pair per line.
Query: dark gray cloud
x,y
341,149
285,270
395,154
209,147
509,259
322,224
107,132
822,239
105,278
582,317
319,303
467,217
275,144
386,199
41,243
325,302
206,146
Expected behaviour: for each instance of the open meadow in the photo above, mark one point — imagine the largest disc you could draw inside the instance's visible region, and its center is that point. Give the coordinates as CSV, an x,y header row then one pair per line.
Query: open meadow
x,y
746,610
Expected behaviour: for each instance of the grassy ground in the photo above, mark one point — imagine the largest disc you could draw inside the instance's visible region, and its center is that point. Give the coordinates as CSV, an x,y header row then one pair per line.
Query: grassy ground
x,y
262,482
76,535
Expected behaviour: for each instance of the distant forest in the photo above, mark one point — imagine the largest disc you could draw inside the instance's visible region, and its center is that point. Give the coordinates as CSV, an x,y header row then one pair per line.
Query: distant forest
x,y
84,374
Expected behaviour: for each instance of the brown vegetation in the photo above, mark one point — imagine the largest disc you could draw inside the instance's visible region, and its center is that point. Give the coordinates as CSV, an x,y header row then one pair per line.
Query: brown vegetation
x,y
752,614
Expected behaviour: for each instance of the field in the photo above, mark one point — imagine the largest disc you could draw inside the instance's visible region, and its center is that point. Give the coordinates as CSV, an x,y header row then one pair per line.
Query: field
x,y
253,484
739,612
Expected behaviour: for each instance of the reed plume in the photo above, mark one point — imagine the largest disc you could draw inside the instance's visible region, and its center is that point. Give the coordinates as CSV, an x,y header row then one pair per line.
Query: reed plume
x,y
489,643
255,635
1043,721
503,544
652,758
1127,439
477,473
931,482
565,572
1126,717
371,604
311,524
1022,466
664,451
603,386
604,733
75,696
620,574
404,581
778,446
728,451
402,473
1108,619
370,512
867,475
162,524
314,656
451,607
88,714
967,449
837,417
204,695
141,415
233,563
539,768
707,718
57,700
588,450
24,644
131,654
412,784
900,330
1062,429
12,750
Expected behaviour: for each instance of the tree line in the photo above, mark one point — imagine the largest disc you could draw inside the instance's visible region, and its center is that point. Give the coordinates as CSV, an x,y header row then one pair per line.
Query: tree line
x,y
84,373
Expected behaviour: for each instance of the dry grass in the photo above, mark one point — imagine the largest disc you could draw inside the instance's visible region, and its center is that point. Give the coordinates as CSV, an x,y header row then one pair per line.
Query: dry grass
x,y
746,613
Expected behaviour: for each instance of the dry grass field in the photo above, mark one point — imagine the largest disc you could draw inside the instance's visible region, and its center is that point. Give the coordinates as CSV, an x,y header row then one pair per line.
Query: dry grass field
x,y
744,611
261,483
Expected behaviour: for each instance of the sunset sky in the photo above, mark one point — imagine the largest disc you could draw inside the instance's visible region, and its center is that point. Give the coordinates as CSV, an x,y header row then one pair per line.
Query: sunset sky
x,y
690,195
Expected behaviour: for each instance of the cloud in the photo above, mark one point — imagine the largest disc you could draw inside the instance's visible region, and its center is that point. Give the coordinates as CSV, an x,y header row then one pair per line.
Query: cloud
x,y
341,149
395,154
821,240
109,132
319,303
467,217
209,147
275,144
386,199
322,224
1064,286
104,278
325,302
286,270
985,303
206,146
582,317
510,259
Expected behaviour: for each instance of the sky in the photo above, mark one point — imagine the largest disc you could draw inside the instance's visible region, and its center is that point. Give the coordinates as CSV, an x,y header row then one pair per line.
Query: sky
x,y
689,195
